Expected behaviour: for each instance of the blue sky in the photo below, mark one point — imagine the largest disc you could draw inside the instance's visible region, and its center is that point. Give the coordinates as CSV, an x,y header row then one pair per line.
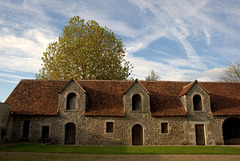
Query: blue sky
x,y
180,39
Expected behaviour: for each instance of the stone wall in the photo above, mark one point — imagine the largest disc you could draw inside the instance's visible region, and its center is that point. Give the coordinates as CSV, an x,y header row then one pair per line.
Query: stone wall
x,y
92,130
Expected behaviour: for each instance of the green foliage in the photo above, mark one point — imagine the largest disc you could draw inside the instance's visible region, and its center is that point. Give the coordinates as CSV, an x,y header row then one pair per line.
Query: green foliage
x,y
124,149
85,51
232,72
152,77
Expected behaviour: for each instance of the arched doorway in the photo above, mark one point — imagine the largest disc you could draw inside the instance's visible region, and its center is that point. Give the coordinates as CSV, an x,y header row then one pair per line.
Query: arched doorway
x,y
231,131
70,133
137,135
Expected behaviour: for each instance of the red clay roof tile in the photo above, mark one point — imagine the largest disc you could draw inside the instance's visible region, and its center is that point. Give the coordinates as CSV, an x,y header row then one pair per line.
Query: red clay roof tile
x,y
40,97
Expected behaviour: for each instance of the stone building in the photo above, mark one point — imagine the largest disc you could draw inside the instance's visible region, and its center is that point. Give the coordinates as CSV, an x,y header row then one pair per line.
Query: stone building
x,y
126,112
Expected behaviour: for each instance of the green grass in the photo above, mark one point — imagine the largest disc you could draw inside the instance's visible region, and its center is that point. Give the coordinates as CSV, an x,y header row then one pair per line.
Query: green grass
x,y
211,150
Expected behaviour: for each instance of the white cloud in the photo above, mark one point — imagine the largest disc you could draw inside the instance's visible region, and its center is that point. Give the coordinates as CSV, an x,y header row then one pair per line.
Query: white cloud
x,y
28,27
208,37
12,76
167,18
208,75
143,42
142,67
23,53
8,81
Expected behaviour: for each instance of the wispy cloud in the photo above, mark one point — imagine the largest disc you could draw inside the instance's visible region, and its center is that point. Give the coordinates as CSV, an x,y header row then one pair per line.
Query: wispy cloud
x,y
12,76
172,24
23,53
209,75
27,27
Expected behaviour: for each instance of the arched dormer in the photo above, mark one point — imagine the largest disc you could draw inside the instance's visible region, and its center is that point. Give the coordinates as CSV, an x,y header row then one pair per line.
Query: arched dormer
x,y
136,99
72,98
195,98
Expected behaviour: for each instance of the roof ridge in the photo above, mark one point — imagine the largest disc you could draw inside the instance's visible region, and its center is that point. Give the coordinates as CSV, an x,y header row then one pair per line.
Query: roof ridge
x,y
42,80
214,82
76,80
220,82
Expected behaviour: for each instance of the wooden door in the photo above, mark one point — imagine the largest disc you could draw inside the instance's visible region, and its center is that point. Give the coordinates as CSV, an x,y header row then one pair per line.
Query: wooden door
x,y
70,133
200,137
137,135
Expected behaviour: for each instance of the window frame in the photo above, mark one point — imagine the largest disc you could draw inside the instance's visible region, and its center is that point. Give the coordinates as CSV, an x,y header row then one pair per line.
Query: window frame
x,y
68,101
167,126
197,103
136,102
107,131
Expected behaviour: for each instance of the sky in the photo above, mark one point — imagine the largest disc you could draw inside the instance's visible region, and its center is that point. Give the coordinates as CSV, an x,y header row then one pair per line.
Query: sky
x,y
181,40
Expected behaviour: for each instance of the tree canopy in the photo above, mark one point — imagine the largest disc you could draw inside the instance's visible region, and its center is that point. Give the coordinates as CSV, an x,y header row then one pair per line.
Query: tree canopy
x,y
232,72
85,51
152,77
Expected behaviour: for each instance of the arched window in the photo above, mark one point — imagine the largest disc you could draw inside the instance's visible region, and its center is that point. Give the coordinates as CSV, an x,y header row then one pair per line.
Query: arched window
x,y
197,103
136,102
71,99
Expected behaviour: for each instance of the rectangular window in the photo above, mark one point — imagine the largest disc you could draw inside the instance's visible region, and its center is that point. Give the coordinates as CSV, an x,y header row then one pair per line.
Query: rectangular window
x,y
164,127
109,127
45,132
25,133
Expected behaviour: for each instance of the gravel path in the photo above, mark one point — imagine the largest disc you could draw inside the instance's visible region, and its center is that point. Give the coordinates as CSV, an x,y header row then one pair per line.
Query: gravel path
x,y
18,156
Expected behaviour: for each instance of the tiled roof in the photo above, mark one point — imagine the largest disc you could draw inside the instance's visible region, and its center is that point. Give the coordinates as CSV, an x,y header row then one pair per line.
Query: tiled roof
x,y
186,88
105,97
35,97
224,97
40,97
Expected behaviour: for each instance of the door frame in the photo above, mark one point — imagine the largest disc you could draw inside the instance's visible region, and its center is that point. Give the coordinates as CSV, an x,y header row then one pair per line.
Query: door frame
x,y
75,134
204,134
143,136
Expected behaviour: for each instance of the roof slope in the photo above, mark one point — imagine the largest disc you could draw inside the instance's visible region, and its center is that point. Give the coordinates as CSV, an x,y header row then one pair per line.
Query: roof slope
x,y
105,97
164,98
35,97
40,97
224,97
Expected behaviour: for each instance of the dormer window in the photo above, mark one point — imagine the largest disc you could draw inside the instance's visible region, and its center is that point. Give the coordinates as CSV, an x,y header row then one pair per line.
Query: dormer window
x,y
197,103
136,102
71,99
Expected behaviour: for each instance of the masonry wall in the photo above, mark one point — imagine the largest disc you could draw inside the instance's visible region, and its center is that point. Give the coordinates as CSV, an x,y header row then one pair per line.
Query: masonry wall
x,y
92,130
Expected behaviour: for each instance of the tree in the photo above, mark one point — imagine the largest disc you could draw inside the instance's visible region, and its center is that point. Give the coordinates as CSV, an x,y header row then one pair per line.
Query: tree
x,y
85,51
232,72
152,77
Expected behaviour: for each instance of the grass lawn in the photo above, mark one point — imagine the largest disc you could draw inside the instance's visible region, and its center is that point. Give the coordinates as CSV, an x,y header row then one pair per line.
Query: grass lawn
x,y
210,150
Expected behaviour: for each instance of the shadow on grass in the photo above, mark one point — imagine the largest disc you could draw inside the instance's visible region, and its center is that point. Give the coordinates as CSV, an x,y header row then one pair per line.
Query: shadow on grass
x,y
210,150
